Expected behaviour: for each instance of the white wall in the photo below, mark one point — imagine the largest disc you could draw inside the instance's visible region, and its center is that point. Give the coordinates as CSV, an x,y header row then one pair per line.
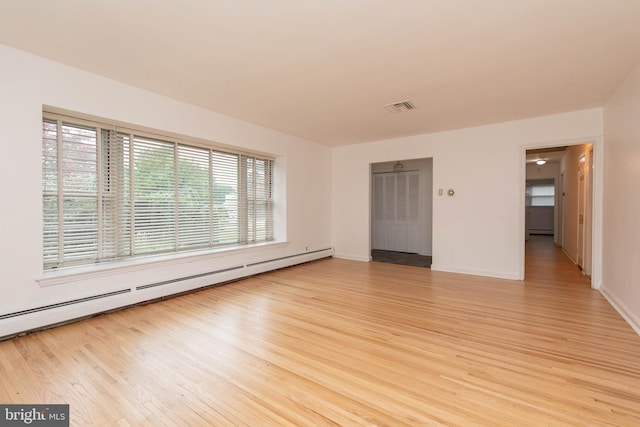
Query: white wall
x,y
27,83
621,240
480,230
547,171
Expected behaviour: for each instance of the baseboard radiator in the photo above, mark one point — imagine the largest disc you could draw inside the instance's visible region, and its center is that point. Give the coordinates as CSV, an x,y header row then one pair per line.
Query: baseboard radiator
x,y
193,276
242,271
63,304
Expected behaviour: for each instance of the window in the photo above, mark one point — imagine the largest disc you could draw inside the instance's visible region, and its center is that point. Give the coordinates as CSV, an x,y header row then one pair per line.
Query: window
x,y
540,193
111,194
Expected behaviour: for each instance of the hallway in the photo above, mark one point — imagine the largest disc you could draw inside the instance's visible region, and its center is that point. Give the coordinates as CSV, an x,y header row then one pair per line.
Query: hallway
x,y
546,263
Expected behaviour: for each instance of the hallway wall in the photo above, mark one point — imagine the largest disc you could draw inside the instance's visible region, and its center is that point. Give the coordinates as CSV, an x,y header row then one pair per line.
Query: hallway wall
x,y
621,245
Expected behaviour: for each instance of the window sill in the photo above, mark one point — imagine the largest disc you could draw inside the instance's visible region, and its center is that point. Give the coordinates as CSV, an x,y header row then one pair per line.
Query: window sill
x,y
76,274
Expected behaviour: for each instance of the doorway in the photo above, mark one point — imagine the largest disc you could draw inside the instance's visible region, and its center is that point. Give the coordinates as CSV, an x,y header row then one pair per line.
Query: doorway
x,y
569,169
541,207
401,212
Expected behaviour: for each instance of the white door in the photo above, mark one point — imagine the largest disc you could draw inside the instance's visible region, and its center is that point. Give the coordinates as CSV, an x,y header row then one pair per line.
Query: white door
x,y
581,203
588,218
396,216
560,199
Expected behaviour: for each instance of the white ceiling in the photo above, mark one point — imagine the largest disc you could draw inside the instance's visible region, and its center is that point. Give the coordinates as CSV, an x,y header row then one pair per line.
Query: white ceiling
x,y
323,69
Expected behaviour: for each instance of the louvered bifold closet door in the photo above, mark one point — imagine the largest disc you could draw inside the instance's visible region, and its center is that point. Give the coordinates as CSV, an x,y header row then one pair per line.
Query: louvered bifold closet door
x,y
396,212
389,197
407,222
401,227
414,234
378,212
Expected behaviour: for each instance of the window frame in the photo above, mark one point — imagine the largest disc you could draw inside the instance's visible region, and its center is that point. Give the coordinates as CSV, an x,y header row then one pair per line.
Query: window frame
x,y
540,200
104,189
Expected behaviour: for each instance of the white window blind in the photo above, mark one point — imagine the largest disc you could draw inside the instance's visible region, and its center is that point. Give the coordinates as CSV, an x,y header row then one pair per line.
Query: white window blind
x,y
111,194
540,193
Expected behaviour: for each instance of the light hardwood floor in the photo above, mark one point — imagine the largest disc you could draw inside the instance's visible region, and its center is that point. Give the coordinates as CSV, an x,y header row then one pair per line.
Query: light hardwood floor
x,y
338,342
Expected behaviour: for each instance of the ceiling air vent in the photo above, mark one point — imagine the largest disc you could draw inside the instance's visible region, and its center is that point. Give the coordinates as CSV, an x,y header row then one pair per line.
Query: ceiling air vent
x,y
399,107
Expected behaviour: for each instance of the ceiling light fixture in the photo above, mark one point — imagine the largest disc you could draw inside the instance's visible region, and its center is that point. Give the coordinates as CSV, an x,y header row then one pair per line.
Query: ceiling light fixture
x,y
398,167
540,162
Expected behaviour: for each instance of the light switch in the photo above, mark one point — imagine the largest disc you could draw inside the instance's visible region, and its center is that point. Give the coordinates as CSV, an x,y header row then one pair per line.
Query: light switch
x,y
440,191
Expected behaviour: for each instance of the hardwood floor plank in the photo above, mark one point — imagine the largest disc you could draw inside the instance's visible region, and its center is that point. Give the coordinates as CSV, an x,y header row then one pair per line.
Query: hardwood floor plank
x,y
341,343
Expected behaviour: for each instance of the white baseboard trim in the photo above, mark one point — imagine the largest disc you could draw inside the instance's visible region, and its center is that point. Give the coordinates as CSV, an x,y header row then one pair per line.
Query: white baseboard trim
x,y
352,257
494,274
622,309
573,260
